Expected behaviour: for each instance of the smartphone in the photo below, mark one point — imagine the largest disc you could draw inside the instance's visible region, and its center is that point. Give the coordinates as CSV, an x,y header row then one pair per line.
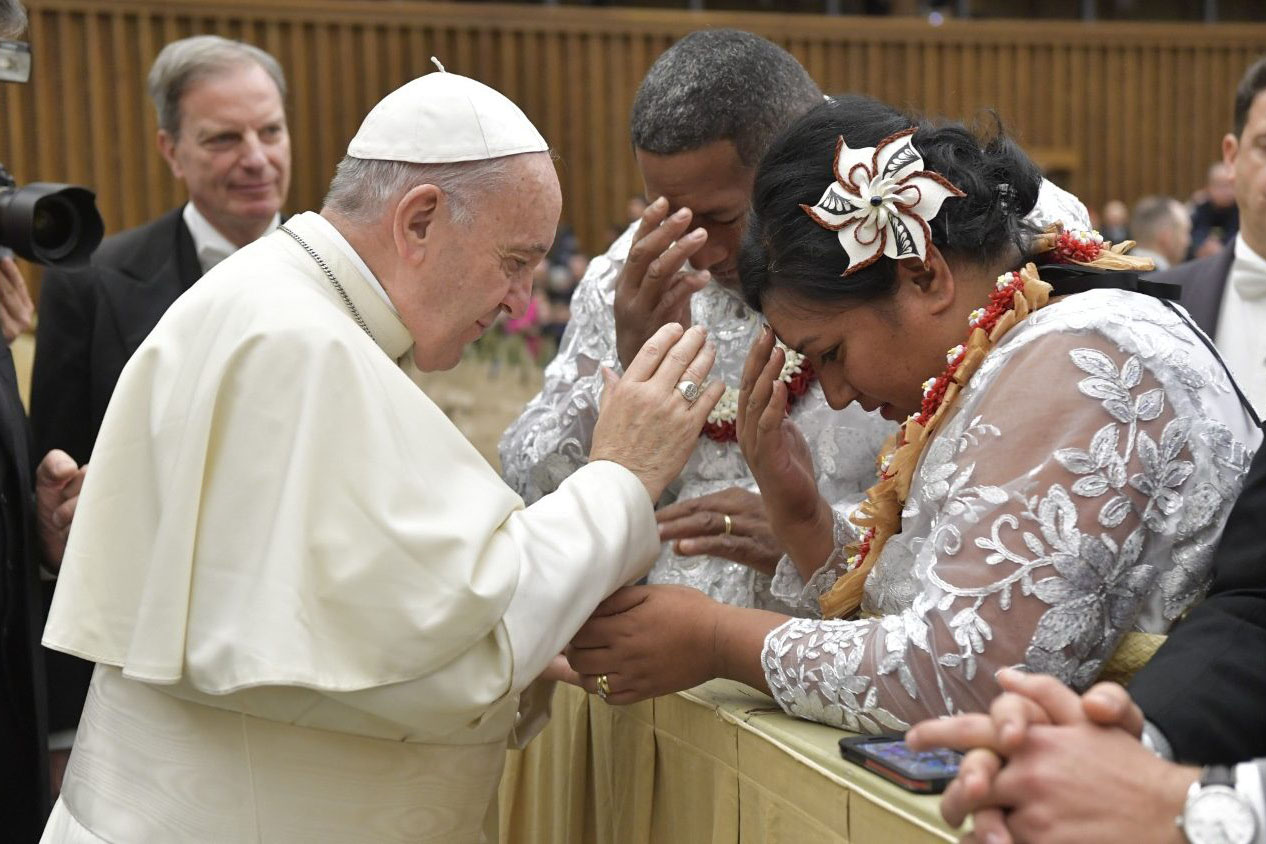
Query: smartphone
x,y
920,771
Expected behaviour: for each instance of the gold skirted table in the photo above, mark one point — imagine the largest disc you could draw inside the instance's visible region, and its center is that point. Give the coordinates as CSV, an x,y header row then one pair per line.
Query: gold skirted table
x,y
718,764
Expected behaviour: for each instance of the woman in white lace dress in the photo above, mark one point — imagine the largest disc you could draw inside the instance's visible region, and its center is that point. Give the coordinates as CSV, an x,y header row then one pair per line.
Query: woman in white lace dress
x,y
1077,474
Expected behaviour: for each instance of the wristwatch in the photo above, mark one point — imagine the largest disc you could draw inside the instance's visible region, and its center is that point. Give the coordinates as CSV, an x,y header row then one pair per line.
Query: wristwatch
x,y
1215,813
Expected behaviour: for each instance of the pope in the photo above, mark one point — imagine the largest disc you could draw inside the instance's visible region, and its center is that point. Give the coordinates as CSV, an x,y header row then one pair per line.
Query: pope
x,y
314,608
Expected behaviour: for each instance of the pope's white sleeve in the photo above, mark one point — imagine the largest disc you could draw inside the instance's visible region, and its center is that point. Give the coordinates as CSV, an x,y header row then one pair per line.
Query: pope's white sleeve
x,y
576,546
555,595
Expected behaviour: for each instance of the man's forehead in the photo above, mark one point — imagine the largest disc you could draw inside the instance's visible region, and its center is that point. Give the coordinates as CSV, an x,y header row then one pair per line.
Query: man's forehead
x,y
714,169
1256,117
233,85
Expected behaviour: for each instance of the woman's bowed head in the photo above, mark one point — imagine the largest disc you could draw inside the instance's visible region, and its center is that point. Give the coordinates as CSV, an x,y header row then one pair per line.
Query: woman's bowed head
x,y
875,292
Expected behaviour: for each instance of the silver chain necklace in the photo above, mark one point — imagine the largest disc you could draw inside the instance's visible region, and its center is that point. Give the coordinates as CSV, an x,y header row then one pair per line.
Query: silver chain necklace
x,y
347,300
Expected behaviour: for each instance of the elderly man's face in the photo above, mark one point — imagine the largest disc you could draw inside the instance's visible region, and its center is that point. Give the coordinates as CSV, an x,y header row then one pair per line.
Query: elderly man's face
x,y
712,182
233,151
483,268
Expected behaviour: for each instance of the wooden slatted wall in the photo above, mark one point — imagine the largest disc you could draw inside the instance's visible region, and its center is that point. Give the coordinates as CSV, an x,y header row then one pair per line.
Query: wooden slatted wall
x,y
1121,109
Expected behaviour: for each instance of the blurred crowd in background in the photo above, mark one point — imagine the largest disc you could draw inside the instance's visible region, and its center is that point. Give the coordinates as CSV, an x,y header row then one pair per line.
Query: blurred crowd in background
x,y
1171,230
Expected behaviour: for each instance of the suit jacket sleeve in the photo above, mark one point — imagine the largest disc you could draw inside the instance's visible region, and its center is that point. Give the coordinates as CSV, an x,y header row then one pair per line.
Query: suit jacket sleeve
x,y
1206,687
60,380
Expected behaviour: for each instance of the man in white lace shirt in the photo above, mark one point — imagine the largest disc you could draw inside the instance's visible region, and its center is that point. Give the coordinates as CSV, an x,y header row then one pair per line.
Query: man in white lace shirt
x,y
701,119
703,116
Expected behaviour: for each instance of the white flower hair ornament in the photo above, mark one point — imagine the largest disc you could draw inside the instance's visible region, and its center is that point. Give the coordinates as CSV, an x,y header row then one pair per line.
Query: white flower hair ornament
x,y
881,200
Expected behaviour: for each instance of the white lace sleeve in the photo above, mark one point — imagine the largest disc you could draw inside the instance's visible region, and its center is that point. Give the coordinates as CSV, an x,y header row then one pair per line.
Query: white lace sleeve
x,y
1076,494
802,595
551,438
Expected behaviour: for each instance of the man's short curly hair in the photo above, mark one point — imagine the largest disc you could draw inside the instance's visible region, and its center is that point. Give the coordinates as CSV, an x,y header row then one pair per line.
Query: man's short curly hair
x,y
720,85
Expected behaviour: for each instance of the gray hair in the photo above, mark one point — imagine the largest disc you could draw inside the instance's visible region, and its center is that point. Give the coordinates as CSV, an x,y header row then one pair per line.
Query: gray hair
x,y
362,188
184,62
719,85
12,19
1153,215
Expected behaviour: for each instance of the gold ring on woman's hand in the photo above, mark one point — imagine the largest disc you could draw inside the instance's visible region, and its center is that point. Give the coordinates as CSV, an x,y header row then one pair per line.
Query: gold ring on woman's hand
x,y
604,686
729,524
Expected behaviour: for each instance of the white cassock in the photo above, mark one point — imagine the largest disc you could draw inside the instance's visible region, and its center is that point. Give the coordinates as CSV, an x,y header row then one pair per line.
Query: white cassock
x,y
313,604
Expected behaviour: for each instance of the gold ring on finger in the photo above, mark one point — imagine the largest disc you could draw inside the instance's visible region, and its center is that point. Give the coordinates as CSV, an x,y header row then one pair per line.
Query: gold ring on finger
x,y
729,524
604,686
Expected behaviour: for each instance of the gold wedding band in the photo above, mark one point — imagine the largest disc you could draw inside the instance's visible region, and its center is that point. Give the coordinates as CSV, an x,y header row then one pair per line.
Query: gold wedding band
x,y
604,686
729,524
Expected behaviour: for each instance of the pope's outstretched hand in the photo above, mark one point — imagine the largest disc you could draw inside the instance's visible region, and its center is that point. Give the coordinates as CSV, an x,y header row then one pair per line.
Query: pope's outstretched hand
x,y
647,421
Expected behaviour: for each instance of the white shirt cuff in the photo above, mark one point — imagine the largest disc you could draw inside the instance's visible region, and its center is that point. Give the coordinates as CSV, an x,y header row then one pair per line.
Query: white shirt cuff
x,y
1154,740
1248,782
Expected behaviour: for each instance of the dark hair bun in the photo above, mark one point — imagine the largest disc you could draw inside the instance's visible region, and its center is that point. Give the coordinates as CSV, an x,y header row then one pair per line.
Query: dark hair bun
x,y
786,249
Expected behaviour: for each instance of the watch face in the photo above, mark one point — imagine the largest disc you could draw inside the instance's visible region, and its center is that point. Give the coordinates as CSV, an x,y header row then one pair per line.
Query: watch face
x,y
1219,815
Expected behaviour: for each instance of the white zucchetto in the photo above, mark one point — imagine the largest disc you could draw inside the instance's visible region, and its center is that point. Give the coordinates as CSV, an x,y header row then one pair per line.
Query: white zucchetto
x,y
443,117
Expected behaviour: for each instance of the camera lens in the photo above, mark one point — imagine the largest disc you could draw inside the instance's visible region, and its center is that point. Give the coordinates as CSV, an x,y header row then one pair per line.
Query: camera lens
x,y
50,223
54,225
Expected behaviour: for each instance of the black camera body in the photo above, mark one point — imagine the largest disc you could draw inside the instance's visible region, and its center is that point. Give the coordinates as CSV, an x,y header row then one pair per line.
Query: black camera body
x,y
49,223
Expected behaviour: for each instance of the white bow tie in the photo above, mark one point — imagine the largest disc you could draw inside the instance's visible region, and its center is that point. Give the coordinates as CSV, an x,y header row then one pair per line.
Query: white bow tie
x,y
1250,283
210,255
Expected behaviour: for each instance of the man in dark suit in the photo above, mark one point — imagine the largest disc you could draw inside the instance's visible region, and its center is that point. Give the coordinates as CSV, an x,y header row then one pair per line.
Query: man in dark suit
x,y
33,531
1225,293
222,131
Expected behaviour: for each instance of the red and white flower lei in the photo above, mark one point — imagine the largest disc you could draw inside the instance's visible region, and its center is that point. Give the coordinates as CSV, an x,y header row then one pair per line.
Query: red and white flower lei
x,y
797,373
1015,295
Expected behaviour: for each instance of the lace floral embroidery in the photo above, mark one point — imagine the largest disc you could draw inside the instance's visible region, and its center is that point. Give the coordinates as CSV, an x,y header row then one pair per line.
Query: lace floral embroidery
x,y
1098,516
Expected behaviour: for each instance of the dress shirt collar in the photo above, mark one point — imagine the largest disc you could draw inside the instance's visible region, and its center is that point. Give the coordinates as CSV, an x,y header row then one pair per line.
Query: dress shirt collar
x,y
1161,262
1248,270
210,246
